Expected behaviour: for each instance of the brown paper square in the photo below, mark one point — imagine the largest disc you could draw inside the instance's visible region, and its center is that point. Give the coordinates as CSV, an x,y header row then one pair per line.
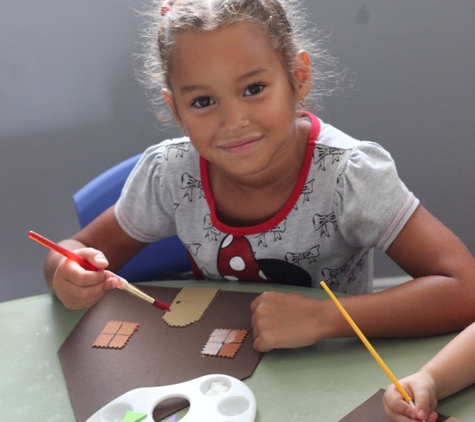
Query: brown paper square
x,y
118,342
236,336
127,328
229,350
115,335
103,340
112,327
224,342
218,336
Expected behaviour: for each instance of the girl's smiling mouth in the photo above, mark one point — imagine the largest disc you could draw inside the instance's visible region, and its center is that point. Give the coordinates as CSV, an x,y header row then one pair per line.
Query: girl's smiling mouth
x,y
242,145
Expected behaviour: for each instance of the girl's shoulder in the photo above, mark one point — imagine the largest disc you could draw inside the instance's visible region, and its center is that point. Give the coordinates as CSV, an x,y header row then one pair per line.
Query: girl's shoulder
x,y
179,145
334,141
175,151
332,137
169,157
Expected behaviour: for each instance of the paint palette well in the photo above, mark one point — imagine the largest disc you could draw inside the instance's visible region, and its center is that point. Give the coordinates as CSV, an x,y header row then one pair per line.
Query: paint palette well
x,y
212,398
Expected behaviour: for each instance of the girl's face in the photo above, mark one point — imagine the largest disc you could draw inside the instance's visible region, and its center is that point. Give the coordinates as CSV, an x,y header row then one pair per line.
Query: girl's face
x,y
232,96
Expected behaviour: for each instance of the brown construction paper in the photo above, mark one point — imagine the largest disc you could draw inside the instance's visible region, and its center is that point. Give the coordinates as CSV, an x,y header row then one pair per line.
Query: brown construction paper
x,y
156,353
189,306
372,410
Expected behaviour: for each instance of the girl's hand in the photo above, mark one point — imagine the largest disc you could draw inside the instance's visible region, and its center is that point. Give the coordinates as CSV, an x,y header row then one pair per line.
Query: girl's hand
x,y
421,388
78,288
285,320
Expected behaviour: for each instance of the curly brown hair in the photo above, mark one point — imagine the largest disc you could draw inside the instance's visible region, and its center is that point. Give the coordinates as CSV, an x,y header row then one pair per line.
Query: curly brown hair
x,y
282,21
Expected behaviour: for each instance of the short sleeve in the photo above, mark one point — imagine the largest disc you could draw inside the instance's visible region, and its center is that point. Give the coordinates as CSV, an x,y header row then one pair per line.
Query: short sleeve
x,y
372,203
144,209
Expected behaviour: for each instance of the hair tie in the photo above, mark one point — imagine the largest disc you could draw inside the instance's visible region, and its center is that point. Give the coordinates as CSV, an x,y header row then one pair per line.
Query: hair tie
x,y
164,10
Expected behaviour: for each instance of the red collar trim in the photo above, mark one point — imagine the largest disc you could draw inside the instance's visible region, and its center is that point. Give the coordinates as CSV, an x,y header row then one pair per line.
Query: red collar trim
x,y
285,210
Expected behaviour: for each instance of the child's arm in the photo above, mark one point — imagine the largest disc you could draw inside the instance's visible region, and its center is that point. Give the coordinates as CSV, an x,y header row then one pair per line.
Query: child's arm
x,y
103,237
451,370
439,300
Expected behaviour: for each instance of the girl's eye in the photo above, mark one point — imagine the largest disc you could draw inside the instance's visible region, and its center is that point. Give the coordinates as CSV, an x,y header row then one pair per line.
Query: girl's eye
x,y
202,102
254,89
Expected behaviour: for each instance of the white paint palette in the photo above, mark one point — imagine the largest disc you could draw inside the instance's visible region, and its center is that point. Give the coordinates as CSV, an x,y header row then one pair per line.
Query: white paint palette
x,y
212,398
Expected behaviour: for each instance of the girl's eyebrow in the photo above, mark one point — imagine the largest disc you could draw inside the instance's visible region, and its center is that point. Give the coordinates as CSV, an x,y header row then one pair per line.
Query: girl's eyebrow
x,y
252,73
186,89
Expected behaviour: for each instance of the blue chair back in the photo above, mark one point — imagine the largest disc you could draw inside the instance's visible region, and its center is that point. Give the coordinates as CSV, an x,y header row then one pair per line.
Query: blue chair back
x,y
164,256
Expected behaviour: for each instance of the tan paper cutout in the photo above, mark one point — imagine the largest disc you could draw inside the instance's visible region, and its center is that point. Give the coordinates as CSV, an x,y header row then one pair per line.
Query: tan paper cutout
x,y
224,342
115,335
112,327
189,306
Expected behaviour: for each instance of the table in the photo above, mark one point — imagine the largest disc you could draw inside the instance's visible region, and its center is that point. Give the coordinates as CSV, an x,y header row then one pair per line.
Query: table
x,y
323,382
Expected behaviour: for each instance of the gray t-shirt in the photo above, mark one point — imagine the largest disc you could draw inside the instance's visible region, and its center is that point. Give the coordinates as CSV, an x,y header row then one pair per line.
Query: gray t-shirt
x,y
348,200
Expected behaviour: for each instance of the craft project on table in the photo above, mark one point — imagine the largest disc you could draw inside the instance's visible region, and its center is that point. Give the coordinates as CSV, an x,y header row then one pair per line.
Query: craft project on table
x,y
372,410
156,354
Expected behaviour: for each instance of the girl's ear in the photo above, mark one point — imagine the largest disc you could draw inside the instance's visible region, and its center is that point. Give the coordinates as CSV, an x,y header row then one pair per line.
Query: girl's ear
x,y
302,74
168,96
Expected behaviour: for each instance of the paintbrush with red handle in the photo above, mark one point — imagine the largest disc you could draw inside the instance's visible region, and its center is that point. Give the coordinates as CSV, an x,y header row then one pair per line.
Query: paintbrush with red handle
x,y
84,263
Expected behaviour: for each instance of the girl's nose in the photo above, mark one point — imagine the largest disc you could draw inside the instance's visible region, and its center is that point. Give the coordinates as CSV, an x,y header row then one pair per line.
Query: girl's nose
x,y
234,116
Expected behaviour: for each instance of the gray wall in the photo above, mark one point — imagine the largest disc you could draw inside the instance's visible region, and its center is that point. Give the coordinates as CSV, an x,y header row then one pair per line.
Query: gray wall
x,y
70,108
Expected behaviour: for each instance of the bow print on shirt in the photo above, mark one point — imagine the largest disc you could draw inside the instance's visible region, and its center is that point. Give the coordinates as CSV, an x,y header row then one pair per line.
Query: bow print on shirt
x,y
332,275
305,194
323,152
358,267
309,255
189,184
180,150
212,232
276,231
322,221
193,248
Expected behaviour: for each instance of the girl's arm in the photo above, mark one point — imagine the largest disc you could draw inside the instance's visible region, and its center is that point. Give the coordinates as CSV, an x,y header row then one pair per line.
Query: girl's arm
x,y
450,371
104,244
439,300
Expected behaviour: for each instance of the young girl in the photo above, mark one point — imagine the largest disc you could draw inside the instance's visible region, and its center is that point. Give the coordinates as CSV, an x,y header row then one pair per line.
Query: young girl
x,y
260,190
451,370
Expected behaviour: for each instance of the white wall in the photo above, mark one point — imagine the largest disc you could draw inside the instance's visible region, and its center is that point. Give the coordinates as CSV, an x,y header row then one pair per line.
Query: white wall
x,y
70,108
413,64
